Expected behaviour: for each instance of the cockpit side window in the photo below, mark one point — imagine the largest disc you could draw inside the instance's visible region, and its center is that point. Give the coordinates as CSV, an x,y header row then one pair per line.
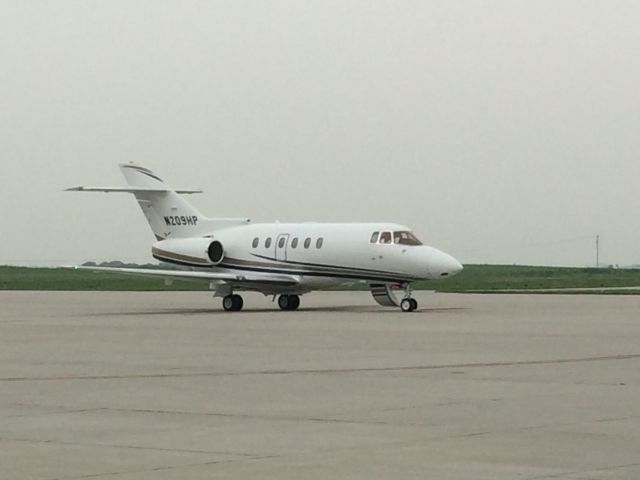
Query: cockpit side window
x,y
374,237
385,237
405,238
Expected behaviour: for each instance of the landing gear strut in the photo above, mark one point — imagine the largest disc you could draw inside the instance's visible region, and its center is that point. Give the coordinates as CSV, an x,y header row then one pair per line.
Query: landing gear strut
x,y
232,303
288,302
408,303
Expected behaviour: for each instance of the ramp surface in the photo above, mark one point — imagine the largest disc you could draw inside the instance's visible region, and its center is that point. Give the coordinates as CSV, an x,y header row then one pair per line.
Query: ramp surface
x,y
167,385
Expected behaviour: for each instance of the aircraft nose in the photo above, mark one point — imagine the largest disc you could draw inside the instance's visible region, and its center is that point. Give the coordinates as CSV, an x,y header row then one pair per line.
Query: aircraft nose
x,y
444,265
454,266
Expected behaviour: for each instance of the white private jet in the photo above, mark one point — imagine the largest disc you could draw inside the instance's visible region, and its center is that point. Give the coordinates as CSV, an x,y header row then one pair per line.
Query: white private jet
x,y
280,259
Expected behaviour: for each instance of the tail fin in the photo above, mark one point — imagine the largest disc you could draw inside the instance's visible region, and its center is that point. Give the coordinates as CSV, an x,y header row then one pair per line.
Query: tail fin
x,y
168,214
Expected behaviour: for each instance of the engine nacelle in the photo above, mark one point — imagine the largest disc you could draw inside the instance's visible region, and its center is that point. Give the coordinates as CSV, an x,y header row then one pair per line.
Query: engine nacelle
x,y
197,252
215,252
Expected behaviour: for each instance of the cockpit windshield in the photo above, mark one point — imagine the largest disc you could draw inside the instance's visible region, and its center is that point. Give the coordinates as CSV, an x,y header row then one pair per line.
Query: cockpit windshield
x,y
405,238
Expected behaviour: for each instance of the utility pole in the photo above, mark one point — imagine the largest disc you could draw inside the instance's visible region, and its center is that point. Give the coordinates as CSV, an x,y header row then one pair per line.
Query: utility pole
x,y
597,251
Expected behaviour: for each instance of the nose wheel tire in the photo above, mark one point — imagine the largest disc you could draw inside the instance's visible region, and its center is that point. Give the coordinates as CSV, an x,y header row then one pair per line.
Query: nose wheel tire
x,y
232,303
408,304
288,302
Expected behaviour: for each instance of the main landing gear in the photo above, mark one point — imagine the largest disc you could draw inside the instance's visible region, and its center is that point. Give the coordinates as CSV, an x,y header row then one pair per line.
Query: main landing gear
x,y
288,302
232,303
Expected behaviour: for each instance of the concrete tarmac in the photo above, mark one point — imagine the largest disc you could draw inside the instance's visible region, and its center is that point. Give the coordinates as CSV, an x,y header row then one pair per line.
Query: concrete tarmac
x,y
166,385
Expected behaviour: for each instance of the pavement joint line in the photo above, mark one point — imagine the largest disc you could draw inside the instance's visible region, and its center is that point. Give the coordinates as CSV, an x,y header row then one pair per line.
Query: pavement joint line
x,y
573,424
399,368
321,419
313,419
132,447
206,414
245,415
325,420
155,469
58,411
582,472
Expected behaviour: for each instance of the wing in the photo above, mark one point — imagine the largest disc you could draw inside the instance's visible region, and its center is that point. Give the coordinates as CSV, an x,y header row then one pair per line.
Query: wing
x,y
266,283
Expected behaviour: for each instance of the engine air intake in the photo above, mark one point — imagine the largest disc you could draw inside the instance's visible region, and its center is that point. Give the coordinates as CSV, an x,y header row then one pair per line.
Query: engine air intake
x,y
216,252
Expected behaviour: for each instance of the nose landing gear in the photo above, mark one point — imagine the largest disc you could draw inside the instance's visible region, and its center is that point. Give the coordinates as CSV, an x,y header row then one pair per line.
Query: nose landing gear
x,y
408,304
385,295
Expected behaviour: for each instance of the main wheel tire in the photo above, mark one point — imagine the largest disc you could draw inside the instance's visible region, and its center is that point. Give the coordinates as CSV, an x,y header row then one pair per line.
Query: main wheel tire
x,y
284,302
232,303
406,305
294,302
237,303
228,303
414,304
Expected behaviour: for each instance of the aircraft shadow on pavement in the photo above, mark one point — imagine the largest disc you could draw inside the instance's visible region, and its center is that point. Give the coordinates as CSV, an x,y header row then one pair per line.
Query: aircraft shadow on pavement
x,y
362,309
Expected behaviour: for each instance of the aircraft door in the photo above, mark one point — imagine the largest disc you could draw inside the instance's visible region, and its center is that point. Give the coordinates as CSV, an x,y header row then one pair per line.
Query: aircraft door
x,y
282,242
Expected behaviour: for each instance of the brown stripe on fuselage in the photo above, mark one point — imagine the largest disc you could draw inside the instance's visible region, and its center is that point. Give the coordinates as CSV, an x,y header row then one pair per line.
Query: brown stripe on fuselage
x,y
335,268
178,257
316,265
302,269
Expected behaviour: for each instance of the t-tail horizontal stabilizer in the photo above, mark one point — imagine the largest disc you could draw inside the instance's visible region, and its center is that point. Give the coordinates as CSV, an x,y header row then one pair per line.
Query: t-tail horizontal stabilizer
x,y
130,190
168,213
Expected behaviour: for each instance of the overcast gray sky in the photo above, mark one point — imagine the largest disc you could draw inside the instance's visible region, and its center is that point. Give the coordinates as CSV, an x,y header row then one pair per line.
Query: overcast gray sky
x,y
500,131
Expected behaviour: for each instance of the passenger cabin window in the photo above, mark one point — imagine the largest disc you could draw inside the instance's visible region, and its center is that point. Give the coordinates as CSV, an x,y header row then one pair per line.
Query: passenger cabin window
x,y
405,238
319,242
374,237
267,242
307,242
385,237
281,243
255,243
294,243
